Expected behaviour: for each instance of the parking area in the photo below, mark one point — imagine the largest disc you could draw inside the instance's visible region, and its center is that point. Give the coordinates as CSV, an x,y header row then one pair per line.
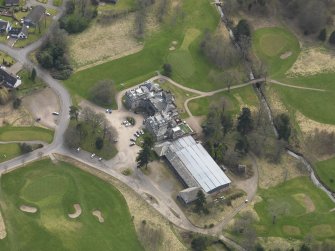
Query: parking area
x,y
126,157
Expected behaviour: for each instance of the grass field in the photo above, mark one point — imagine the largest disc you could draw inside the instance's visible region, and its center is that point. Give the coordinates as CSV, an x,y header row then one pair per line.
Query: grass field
x,y
53,189
57,2
326,171
233,100
199,15
320,105
9,133
300,209
270,44
120,6
9,151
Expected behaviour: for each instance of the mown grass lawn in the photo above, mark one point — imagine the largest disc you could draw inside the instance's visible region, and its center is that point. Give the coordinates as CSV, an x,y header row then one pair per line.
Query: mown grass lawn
x,y
270,43
10,133
318,106
300,209
199,15
232,101
9,151
124,5
53,189
326,171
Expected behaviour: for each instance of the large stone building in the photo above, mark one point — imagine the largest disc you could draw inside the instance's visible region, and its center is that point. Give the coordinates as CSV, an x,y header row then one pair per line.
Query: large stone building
x,y
159,108
194,166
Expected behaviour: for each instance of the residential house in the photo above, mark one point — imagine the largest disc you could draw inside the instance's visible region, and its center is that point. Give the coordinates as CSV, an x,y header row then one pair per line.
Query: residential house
x,y
8,80
19,33
34,16
12,2
4,26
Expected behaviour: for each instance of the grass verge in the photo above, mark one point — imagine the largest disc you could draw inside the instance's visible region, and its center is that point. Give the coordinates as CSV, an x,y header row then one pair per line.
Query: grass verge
x,y
9,133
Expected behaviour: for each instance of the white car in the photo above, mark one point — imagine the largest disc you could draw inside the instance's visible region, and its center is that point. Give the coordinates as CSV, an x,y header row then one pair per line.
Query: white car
x,y
100,159
55,113
92,155
78,149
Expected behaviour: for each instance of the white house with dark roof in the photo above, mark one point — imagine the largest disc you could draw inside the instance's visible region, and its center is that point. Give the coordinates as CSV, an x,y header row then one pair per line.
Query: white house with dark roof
x,y
8,80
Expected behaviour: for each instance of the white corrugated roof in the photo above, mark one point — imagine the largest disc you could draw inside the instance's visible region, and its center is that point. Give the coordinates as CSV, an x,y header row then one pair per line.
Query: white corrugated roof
x,y
199,163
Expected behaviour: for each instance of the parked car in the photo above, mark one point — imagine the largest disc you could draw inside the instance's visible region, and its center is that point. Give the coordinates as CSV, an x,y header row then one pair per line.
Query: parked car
x,y
133,140
100,159
142,132
132,144
78,149
55,113
92,155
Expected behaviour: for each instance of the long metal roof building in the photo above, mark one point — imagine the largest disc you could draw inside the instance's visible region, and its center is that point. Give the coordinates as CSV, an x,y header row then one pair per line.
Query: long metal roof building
x,y
194,165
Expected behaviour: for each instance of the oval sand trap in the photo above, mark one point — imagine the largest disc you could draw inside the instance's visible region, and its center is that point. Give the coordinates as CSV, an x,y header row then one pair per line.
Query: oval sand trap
x,y
77,212
98,214
28,209
286,55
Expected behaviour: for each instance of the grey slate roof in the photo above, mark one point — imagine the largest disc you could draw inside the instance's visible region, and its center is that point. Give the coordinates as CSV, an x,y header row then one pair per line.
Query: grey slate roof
x,y
195,166
35,15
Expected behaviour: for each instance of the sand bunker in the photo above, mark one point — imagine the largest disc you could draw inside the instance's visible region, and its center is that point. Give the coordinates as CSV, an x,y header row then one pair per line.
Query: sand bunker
x,y
286,55
28,209
3,232
77,212
98,214
172,48
305,201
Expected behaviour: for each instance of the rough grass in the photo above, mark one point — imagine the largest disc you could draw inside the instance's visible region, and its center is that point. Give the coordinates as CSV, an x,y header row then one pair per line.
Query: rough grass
x,y
9,151
53,189
200,15
313,61
9,133
270,43
100,43
280,200
190,36
326,171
